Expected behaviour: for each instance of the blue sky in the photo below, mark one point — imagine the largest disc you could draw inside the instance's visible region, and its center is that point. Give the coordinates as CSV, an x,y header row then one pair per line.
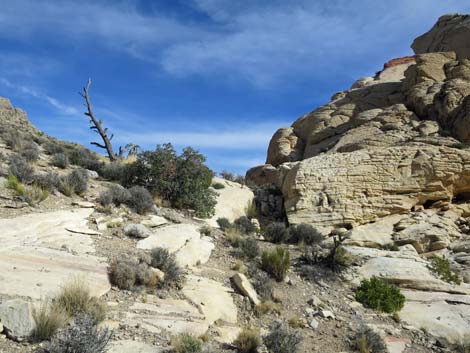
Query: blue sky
x,y
219,75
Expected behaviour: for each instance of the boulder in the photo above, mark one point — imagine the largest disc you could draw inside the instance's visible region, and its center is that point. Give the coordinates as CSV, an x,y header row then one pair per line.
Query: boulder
x,y
450,33
16,316
285,146
184,240
245,287
232,201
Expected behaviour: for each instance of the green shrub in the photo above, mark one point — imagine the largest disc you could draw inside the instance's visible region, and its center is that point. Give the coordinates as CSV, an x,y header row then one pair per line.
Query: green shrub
x,y
224,223
282,339
276,262
250,210
140,199
30,152
441,268
116,194
21,169
186,343
74,298
113,171
48,319
249,248
376,294
60,160
31,194
166,262
218,186
305,234
244,225
52,147
276,232
76,182
263,285
83,336
391,247
183,180
248,341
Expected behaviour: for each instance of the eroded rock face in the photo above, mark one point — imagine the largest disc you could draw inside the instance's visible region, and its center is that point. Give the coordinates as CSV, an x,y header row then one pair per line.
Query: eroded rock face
x,y
363,186
391,142
450,33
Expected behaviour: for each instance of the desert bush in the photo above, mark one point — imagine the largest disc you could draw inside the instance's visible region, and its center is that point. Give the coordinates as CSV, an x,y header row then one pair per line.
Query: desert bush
x,y
183,180
186,343
123,273
113,171
305,234
441,268
296,322
83,336
48,319
376,294
76,182
248,341
205,230
21,169
249,247
60,160
116,194
30,152
369,341
47,181
232,177
51,147
84,158
239,266
276,262
234,237
166,262
224,223
218,186
244,225
263,285
74,298
282,339
276,232
12,139
31,194
140,199
268,307
34,194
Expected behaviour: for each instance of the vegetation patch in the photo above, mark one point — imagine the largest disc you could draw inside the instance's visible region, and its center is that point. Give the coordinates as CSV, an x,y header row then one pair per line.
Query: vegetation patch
x,y
376,294
276,262
248,341
441,268
186,343
282,339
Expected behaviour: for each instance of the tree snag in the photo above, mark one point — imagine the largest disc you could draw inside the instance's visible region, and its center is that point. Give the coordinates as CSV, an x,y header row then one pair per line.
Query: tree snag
x,y
97,126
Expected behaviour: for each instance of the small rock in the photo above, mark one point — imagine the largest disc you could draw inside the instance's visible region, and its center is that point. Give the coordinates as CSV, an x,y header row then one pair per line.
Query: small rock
x,y
154,221
326,314
83,204
92,174
313,324
314,301
137,231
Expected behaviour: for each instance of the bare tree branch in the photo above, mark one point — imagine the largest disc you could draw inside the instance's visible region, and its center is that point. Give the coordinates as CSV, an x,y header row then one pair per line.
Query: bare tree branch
x,y
97,125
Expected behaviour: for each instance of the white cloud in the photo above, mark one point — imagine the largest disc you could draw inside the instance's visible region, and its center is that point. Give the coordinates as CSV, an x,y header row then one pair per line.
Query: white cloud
x,y
250,137
32,92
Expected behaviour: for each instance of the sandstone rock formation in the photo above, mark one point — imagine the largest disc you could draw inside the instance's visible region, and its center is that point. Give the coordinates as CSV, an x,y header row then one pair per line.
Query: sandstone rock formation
x,y
390,143
450,33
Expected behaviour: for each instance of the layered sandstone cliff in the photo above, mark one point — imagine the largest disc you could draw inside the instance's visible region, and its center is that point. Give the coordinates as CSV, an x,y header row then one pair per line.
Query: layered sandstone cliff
x,y
386,145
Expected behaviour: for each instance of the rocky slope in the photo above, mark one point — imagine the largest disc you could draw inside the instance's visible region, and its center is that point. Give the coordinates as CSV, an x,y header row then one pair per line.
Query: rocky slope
x,y
386,163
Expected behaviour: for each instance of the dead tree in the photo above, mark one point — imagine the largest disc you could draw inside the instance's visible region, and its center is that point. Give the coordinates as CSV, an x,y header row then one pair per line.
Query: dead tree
x,y
97,126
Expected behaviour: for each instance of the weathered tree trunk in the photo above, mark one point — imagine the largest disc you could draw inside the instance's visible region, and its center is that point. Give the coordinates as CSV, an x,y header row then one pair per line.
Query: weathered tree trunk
x,y
97,126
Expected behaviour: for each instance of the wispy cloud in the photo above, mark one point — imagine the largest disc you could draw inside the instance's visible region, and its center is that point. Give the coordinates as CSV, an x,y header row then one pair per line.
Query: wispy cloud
x,y
252,137
32,92
260,42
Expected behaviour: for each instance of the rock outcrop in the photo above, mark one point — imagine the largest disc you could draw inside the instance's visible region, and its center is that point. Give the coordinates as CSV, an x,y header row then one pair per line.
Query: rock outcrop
x,y
388,144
